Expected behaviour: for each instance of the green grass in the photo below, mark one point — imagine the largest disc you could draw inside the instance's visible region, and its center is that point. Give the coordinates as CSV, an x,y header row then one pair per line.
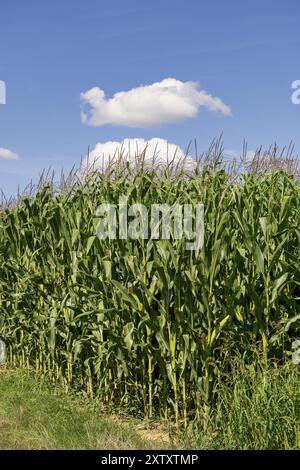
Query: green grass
x,y
259,410
37,415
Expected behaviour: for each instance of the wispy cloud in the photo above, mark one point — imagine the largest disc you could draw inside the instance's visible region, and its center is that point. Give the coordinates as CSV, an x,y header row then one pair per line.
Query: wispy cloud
x,y
8,154
149,106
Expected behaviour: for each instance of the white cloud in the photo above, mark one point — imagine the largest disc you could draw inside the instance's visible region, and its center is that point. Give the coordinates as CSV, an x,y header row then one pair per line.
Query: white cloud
x,y
155,153
146,106
8,154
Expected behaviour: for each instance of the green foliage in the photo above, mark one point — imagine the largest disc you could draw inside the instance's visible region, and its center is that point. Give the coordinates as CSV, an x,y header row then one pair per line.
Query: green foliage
x,y
255,410
146,323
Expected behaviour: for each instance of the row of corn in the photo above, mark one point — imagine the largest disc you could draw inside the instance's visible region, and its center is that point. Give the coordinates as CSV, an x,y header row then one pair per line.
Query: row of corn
x,y
147,324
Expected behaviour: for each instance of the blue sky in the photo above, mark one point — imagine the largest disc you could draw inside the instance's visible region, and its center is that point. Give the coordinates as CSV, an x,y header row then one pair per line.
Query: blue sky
x,y
245,53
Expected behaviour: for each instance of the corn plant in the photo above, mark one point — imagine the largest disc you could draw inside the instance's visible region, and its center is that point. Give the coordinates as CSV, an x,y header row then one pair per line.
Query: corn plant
x,y
147,324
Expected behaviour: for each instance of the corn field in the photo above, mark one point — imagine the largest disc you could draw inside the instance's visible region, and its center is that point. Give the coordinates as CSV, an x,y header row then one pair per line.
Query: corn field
x,y
146,324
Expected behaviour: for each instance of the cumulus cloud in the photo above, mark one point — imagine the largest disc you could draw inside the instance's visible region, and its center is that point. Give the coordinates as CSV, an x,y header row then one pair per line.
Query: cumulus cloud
x,y
155,153
8,154
148,106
